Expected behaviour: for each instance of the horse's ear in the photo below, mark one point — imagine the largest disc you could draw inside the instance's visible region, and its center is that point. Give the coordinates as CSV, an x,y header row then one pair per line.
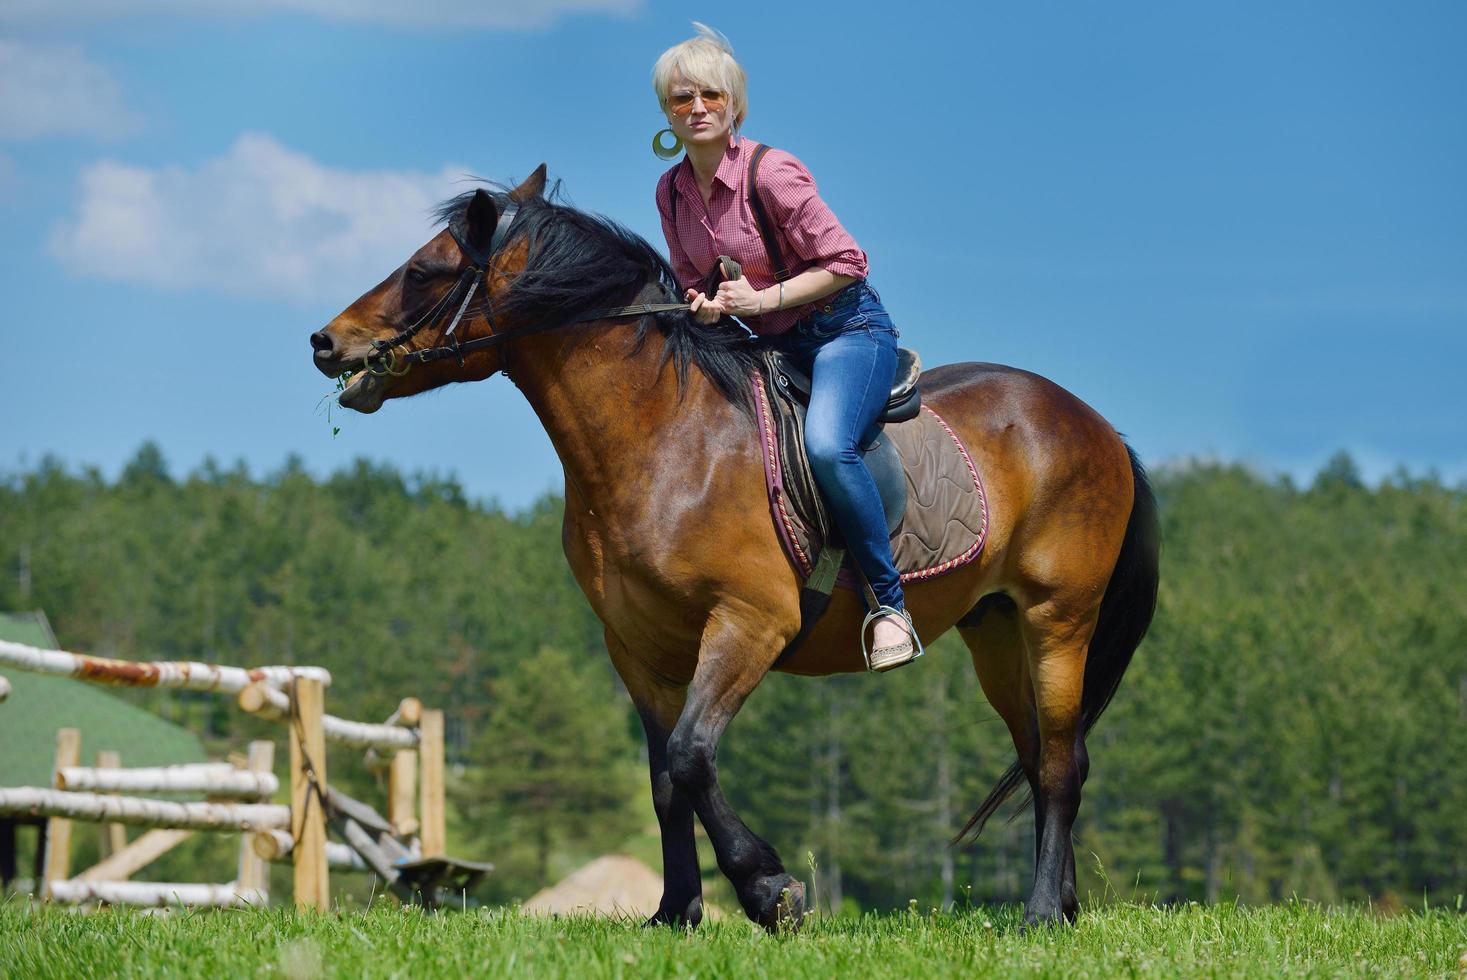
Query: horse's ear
x,y
480,220
534,186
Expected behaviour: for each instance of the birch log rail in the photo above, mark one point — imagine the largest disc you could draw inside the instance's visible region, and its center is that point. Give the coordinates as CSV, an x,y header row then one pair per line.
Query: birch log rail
x,y
270,703
210,778
185,674
157,894
29,801
277,846
408,714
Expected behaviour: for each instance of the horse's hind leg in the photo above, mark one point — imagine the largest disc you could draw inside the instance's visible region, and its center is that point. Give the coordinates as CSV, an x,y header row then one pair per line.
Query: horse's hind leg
x,y
993,637
1056,636
1031,667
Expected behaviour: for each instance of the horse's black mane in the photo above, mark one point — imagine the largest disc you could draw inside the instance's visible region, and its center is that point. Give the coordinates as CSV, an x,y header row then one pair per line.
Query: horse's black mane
x,y
581,262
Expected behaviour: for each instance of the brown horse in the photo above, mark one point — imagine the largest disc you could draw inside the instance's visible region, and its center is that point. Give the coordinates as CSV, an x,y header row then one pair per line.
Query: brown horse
x,y
668,530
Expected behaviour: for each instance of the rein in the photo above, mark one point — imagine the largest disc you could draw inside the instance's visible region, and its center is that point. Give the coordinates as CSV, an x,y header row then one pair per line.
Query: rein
x,y
480,263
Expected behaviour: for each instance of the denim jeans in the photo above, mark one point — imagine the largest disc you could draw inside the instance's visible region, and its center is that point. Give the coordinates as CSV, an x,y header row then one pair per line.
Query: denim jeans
x,y
848,345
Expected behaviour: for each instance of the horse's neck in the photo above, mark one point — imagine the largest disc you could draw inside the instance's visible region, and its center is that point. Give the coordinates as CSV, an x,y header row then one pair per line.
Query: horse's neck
x,y
615,417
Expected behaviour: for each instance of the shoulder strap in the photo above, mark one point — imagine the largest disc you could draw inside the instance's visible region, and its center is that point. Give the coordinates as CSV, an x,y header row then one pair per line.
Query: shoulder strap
x,y
761,216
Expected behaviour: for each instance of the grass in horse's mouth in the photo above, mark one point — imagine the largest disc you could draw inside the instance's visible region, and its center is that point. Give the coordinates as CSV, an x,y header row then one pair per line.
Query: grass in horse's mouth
x,y
344,380
347,378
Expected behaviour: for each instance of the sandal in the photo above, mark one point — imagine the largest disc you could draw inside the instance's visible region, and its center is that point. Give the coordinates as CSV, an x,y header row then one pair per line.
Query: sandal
x,y
887,658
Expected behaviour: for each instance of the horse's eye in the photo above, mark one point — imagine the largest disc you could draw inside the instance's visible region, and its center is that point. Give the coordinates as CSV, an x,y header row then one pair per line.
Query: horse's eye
x,y
416,275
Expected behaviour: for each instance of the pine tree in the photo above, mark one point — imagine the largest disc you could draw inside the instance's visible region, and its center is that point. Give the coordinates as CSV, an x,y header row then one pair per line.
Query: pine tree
x,y
552,768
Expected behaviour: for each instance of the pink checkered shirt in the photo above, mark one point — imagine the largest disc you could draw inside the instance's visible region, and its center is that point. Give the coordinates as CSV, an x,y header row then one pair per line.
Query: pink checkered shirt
x,y
809,234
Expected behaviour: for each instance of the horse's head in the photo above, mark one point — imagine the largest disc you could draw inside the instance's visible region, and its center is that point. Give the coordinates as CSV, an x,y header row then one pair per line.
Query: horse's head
x,y
448,284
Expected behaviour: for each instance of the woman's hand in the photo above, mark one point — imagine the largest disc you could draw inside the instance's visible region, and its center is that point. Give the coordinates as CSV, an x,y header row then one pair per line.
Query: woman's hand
x,y
704,310
736,296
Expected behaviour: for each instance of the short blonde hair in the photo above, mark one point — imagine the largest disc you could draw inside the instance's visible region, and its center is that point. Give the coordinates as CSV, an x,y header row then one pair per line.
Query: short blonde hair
x,y
708,62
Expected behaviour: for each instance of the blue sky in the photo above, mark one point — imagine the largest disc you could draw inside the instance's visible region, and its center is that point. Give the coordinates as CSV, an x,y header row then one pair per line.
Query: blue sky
x,y
1238,230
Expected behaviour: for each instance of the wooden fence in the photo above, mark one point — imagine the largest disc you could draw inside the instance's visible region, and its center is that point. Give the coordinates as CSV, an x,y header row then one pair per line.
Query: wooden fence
x,y
408,746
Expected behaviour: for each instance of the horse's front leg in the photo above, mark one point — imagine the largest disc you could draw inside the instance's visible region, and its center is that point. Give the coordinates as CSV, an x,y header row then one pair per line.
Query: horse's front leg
x,y
736,653
659,704
682,883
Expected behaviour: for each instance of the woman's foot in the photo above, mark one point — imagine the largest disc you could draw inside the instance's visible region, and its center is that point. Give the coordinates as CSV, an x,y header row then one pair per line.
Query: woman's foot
x,y
892,643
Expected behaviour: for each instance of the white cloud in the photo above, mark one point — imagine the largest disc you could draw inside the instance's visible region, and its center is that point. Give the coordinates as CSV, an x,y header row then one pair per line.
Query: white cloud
x,y
422,15
261,220
55,90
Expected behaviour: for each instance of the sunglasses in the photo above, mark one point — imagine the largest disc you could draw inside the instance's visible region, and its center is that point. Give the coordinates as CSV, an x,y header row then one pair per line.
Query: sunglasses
x,y
681,103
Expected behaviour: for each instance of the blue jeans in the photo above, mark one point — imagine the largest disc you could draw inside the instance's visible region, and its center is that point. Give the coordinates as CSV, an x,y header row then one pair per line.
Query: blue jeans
x,y
848,345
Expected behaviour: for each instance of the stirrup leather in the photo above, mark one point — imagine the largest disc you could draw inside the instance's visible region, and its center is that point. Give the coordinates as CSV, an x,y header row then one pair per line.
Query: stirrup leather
x,y
876,614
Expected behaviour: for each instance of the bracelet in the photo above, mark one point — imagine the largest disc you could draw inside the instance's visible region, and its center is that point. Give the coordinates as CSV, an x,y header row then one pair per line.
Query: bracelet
x,y
781,297
761,303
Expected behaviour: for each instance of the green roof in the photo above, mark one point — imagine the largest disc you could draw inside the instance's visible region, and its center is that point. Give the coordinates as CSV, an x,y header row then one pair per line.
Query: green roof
x,y
40,704
30,628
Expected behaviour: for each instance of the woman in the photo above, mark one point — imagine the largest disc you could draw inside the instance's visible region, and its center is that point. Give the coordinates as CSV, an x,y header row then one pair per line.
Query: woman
x,y
824,312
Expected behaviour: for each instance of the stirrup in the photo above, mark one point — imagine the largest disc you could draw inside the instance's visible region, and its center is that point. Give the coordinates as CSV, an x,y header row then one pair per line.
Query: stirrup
x,y
876,614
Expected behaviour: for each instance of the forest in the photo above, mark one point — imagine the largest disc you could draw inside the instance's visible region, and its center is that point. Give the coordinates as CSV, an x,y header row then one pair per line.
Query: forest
x,y
1293,726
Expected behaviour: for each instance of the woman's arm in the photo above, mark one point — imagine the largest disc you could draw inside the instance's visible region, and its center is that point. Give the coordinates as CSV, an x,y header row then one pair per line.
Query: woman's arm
x,y
736,296
810,229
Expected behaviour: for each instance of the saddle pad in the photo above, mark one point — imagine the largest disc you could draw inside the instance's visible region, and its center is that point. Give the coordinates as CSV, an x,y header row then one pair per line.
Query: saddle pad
x,y
946,520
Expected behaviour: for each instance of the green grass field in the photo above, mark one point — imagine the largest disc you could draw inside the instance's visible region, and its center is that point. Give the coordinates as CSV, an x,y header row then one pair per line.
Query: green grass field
x,y
1116,940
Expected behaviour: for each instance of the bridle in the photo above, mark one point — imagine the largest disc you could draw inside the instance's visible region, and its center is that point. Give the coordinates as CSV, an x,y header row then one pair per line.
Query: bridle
x,y
383,360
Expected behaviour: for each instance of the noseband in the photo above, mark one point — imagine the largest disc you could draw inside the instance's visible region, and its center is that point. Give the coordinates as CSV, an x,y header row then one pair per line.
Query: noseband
x,y
382,360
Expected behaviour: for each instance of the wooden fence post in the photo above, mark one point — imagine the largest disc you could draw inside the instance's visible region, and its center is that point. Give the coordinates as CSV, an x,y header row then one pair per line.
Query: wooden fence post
x,y
254,871
114,835
58,829
402,792
402,774
307,772
430,745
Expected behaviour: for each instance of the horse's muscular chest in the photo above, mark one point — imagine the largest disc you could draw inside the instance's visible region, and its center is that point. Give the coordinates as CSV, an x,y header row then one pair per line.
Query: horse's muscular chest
x,y
635,590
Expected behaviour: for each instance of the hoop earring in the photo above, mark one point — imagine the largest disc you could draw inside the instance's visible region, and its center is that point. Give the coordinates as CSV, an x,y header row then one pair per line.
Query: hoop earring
x,y
662,149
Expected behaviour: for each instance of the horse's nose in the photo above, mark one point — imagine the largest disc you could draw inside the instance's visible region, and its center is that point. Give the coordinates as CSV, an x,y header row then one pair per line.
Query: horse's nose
x,y
323,343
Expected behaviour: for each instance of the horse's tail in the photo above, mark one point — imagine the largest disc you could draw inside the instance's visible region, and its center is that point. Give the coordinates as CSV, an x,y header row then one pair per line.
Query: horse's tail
x,y
1125,615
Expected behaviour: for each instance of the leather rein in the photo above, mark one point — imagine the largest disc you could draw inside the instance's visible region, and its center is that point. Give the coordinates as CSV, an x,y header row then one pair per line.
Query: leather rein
x,y
382,360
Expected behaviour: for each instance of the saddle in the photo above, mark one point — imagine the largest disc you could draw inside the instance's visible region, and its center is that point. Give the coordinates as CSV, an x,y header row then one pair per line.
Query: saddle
x,y
935,507
903,404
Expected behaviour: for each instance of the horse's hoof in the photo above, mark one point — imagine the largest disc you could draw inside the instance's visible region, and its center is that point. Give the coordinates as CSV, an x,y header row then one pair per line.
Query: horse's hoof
x,y
1038,918
687,918
782,903
790,912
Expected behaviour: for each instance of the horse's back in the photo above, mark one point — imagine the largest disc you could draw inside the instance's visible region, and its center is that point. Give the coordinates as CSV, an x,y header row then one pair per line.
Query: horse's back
x,y
996,398
1034,443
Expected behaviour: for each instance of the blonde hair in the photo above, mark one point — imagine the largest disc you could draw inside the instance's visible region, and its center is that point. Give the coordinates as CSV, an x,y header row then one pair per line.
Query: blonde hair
x,y
706,61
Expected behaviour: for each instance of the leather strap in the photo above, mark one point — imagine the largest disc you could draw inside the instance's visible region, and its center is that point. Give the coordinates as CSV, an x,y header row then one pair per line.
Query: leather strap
x,y
459,348
761,217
